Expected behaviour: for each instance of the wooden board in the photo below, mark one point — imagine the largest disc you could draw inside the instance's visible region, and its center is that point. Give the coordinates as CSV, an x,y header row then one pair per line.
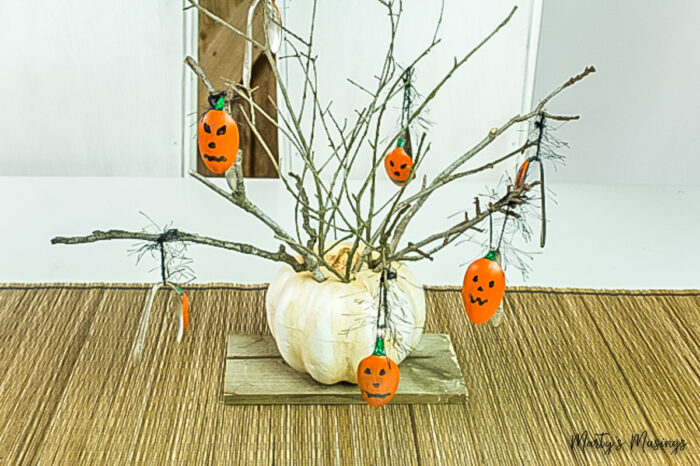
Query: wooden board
x,y
257,374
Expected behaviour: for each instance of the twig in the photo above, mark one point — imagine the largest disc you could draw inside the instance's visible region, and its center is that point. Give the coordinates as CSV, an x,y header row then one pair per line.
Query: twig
x,y
459,228
311,261
457,64
192,63
421,253
560,117
303,202
487,140
234,176
543,233
98,235
346,140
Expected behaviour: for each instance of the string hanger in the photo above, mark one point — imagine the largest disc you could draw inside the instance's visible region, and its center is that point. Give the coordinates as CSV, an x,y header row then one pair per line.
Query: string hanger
x,y
387,274
406,108
500,238
217,100
503,231
540,124
407,78
167,255
169,235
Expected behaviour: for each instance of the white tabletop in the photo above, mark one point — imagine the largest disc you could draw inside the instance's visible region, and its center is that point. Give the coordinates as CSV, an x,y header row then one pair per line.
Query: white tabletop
x,y
598,236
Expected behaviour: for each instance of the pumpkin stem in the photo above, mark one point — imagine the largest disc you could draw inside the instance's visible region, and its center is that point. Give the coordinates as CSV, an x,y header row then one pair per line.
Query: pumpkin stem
x,y
379,348
400,142
491,255
219,104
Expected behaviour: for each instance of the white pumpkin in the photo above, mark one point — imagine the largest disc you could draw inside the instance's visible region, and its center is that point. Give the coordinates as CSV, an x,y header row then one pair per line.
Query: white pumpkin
x,y
326,329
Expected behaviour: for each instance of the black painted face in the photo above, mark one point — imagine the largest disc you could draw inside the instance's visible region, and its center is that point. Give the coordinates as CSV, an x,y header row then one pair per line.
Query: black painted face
x,y
480,288
483,289
377,395
217,137
376,383
398,166
378,378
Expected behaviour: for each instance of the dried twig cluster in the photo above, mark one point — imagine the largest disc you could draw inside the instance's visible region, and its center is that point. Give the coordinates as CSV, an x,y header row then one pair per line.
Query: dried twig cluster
x,y
327,212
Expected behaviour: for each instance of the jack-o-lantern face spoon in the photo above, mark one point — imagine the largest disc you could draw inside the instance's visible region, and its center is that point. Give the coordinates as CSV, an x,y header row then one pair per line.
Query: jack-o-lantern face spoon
x,y
398,164
483,288
217,136
378,377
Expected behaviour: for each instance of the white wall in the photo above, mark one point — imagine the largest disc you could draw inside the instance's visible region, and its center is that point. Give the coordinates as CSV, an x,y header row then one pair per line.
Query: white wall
x,y
107,79
640,110
579,253
91,88
488,90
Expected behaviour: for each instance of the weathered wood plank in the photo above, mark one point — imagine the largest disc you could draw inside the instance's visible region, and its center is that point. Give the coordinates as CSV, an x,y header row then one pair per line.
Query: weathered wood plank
x,y
263,346
256,374
251,346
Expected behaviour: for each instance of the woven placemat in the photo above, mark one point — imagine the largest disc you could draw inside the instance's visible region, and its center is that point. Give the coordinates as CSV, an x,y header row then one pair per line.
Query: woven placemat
x,y
564,362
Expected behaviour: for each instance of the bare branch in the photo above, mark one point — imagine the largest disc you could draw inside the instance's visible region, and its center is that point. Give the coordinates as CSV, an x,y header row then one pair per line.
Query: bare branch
x,y
97,235
427,191
458,64
570,82
192,63
234,176
361,87
453,232
487,140
348,139
303,202
311,261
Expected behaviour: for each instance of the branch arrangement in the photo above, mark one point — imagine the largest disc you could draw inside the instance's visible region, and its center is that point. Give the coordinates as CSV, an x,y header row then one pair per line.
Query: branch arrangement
x,y
327,211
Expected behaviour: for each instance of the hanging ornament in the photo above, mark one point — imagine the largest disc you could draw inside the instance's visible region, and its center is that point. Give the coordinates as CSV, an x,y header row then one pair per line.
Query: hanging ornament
x,y
483,288
540,126
398,164
522,172
543,212
409,93
217,136
378,377
273,26
184,316
166,262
